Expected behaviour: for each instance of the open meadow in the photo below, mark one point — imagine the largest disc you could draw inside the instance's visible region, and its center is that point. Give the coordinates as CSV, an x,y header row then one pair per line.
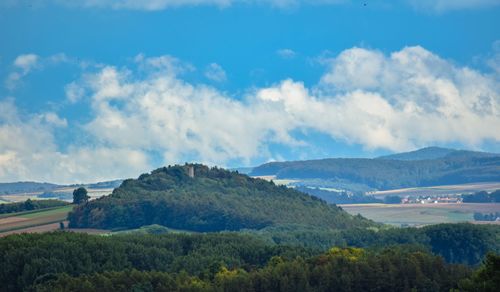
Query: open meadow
x,y
420,214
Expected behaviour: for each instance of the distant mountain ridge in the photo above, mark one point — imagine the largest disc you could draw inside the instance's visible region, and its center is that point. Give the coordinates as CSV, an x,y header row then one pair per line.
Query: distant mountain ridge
x,y
436,153
26,187
38,187
411,169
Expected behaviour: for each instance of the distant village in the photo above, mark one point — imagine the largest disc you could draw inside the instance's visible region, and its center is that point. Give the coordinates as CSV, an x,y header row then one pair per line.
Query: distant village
x,y
451,199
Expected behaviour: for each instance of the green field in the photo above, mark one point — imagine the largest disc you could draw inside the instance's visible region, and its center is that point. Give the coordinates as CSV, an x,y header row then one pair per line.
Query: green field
x,y
52,211
26,220
420,214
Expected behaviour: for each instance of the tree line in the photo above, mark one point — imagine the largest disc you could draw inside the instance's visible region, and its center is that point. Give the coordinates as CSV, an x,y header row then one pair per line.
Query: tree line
x,y
30,205
225,262
482,197
339,269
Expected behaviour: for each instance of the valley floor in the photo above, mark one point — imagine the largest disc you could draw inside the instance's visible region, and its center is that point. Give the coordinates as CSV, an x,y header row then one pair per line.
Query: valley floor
x,y
421,214
394,214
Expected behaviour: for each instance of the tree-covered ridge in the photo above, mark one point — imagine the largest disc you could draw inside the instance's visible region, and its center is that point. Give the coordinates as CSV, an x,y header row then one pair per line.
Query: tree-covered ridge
x,y
396,255
386,174
214,199
457,243
31,258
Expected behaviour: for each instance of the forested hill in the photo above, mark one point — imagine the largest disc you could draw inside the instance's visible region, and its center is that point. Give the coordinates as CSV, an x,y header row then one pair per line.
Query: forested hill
x,y
213,200
383,174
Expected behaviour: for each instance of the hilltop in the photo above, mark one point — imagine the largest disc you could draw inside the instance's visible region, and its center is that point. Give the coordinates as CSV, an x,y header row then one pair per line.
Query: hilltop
x,y
213,200
436,153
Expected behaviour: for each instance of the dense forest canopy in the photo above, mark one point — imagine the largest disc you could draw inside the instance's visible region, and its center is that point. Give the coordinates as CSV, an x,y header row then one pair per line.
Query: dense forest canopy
x,y
336,270
213,200
65,261
384,174
29,258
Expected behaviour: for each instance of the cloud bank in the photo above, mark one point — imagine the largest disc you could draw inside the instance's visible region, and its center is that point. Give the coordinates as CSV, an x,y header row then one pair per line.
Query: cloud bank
x,y
409,98
29,151
156,5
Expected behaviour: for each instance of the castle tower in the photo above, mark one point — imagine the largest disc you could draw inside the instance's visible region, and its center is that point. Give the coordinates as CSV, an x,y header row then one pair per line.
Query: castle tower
x,y
191,171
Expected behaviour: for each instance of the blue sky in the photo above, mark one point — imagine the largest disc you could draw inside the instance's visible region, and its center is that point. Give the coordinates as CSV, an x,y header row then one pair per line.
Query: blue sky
x,y
98,90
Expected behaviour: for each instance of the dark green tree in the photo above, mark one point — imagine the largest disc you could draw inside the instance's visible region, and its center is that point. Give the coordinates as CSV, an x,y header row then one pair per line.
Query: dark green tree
x,y
80,196
392,200
486,278
28,205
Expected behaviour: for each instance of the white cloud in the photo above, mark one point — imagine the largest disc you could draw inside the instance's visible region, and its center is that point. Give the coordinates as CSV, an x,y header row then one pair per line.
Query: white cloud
x,y
12,80
53,119
406,99
494,60
447,5
28,151
409,98
26,62
156,5
74,92
165,114
428,99
286,53
215,73
23,64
